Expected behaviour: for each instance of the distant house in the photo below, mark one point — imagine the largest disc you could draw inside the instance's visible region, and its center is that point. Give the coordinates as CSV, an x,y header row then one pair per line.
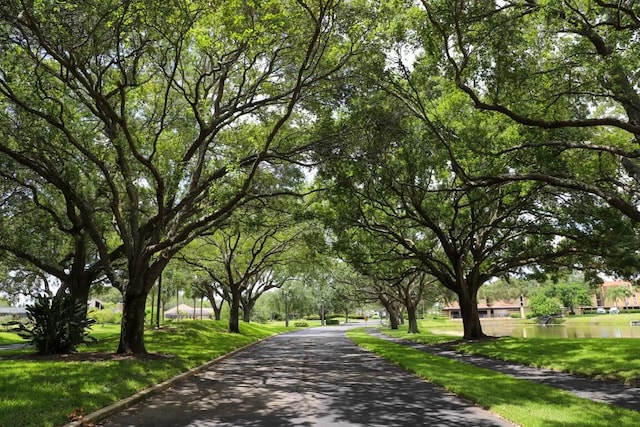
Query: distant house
x,y
95,303
599,299
14,312
490,308
184,311
505,308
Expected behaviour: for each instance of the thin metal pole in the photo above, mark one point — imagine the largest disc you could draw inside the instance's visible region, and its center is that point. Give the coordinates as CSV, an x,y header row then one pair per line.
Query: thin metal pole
x,y
158,302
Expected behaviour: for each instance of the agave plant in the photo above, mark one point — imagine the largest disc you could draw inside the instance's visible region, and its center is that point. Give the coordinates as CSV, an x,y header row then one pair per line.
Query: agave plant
x,y
57,325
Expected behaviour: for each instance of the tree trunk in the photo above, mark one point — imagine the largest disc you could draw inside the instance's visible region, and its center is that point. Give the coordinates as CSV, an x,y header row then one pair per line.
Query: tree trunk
x,y
152,299
470,317
247,309
79,278
393,320
79,288
286,314
234,314
413,320
132,333
217,309
393,315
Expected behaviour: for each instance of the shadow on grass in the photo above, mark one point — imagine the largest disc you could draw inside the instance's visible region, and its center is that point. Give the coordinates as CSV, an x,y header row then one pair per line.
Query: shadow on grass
x,y
520,401
43,392
616,359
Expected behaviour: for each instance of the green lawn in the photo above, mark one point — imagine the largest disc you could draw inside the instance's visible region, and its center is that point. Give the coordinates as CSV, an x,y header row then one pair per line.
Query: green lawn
x,y
45,392
9,338
621,319
603,358
525,403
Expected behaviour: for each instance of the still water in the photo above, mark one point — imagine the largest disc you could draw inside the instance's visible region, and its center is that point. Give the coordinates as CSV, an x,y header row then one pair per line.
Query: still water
x,y
506,328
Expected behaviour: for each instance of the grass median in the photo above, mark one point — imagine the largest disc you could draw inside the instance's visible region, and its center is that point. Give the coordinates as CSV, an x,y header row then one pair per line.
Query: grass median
x,y
41,391
7,338
602,358
519,401
615,359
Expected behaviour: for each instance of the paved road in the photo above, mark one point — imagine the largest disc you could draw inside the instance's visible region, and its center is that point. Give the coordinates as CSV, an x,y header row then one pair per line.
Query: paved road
x,y
313,377
14,346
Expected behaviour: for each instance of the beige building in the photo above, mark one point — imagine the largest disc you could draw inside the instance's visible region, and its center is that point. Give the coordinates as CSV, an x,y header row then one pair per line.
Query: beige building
x,y
600,298
519,307
490,308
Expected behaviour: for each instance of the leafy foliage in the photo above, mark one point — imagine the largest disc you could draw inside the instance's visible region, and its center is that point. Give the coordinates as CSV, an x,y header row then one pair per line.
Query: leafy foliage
x,y
553,298
542,304
618,293
59,324
106,315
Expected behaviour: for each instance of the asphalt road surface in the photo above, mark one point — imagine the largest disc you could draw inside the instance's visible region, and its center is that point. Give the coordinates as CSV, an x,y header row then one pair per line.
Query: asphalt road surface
x,y
313,377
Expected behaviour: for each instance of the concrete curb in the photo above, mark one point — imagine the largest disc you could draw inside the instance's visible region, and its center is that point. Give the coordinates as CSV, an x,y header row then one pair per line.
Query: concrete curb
x,y
122,404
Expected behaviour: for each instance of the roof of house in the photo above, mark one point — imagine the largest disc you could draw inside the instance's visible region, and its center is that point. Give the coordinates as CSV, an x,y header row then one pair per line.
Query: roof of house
x,y
614,283
12,310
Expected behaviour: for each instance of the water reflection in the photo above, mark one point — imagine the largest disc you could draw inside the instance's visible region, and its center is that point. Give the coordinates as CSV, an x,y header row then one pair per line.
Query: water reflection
x,y
559,331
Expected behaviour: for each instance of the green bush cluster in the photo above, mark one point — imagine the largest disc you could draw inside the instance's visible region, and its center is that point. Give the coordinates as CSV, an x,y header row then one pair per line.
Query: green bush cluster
x,y
332,322
106,315
328,316
301,324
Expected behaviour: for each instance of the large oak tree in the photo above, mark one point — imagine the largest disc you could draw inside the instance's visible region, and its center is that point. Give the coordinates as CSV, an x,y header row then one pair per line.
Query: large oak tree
x,y
401,178
551,65
153,118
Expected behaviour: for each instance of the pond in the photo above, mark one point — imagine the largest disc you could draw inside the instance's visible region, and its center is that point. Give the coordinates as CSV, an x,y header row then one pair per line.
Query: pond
x,y
506,328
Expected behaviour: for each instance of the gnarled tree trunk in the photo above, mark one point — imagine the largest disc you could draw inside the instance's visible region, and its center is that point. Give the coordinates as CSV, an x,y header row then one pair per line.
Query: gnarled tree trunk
x,y
468,300
132,333
234,314
413,320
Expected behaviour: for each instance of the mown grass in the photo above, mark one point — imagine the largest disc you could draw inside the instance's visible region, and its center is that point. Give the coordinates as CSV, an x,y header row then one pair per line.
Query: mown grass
x,y
519,401
602,358
10,338
39,392
621,319
425,335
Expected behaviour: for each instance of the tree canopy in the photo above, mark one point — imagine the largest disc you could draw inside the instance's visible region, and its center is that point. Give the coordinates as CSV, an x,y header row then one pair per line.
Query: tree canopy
x,y
446,143
149,121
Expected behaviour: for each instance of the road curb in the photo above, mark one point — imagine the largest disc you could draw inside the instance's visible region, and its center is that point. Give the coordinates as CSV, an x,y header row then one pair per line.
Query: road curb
x,y
122,404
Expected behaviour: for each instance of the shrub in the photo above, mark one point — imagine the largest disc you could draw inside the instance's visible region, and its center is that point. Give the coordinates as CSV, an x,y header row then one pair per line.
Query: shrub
x,y
543,305
58,324
106,315
332,322
301,324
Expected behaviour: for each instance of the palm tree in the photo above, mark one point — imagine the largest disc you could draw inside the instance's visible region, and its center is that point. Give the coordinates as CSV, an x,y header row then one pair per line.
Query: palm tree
x,y
618,293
